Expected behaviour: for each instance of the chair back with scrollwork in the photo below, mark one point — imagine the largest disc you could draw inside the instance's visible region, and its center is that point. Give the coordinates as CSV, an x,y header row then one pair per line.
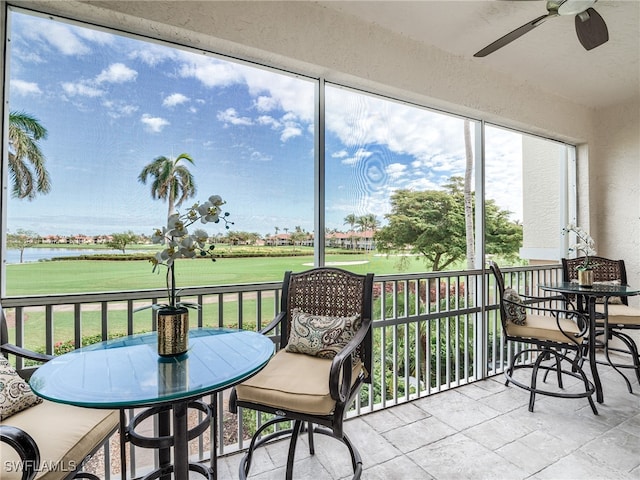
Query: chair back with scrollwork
x,y
330,292
604,270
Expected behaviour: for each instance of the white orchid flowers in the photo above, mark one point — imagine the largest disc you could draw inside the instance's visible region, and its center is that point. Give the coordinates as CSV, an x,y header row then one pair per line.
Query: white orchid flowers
x,y
585,244
179,243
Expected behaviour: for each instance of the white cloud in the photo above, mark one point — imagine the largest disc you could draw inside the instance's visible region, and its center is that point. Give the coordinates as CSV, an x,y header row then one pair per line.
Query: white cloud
x,y
174,99
291,127
359,119
288,126
81,89
360,155
396,170
230,115
270,90
340,154
153,124
118,109
153,54
260,157
421,184
265,104
62,37
291,94
25,88
290,131
269,121
209,71
94,36
117,73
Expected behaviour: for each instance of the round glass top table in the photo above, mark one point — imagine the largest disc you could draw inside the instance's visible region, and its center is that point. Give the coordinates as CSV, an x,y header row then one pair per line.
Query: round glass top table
x,y
127,372
591,293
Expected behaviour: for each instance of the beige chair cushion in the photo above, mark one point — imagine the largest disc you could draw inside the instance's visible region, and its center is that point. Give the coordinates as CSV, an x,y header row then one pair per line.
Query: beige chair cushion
x,y
621,314
293,381
544,328
61,432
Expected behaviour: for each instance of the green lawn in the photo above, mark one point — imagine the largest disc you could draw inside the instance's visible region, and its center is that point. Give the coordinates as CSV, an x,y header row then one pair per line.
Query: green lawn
x,y
81,276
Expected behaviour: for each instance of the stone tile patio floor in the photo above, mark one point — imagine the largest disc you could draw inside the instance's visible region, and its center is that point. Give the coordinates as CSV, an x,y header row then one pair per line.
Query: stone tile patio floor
x,y
478,431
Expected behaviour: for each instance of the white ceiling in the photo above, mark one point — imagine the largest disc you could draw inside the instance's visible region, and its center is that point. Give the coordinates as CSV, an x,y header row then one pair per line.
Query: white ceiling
x,y
550,55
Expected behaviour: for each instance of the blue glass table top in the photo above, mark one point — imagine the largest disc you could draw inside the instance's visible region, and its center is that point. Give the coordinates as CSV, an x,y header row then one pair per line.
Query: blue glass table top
x,y
128,372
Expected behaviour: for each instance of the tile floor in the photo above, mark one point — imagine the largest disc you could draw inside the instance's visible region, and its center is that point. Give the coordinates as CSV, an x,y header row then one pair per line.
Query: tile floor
x,y
479,431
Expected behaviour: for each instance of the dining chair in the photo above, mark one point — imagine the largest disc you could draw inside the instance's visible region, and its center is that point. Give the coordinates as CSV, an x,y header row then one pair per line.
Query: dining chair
x,y
42,439
552,338
324,356
620,316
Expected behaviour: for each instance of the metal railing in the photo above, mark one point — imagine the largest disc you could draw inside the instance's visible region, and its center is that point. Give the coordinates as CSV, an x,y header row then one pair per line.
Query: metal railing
x,y
432,332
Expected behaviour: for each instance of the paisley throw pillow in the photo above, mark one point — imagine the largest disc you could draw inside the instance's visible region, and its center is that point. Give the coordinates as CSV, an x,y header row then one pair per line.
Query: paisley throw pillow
x,y
320,336
515,311
15,393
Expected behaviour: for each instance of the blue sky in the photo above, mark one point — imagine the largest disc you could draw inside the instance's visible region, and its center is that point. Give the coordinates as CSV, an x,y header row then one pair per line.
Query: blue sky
x,y
112,104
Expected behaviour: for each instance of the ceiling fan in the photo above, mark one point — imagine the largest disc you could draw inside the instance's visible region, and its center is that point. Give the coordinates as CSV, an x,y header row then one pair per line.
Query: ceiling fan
x,y
590,27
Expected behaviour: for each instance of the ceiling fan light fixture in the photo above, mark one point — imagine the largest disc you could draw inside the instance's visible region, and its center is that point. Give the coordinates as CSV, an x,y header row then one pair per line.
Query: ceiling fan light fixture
x,y
573,7
590,26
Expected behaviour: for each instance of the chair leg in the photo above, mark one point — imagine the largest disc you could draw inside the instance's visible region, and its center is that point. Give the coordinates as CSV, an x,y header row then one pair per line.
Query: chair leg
x,y
635,355
312,448
559,369
534,381
245,463
632,349
297,426
508,373
256,441
588,387
356,459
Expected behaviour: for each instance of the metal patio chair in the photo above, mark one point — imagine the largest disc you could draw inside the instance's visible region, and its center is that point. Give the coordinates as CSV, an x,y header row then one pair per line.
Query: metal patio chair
x,y
49,441
548,333
324,341
620,316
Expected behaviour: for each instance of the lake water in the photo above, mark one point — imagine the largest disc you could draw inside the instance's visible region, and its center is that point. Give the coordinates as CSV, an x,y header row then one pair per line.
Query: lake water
x,y
35,254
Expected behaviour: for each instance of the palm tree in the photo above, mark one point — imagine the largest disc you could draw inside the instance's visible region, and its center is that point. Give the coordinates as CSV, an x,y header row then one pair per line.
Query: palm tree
x,y
367,222
351,220
468,198
26,161
172,181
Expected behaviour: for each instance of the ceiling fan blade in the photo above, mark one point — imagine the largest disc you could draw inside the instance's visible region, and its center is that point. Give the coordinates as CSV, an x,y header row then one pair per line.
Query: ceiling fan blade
x,y
511,36
591,29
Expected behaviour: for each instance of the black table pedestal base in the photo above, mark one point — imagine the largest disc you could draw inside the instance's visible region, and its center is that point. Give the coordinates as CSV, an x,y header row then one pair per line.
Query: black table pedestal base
x,y
173,415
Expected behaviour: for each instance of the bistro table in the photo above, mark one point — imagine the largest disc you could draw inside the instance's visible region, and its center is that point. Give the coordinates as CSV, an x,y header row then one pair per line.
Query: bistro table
x,y
128,373
590,294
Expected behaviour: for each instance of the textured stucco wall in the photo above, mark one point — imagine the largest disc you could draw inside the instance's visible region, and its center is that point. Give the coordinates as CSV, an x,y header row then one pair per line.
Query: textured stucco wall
x,y
615,186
